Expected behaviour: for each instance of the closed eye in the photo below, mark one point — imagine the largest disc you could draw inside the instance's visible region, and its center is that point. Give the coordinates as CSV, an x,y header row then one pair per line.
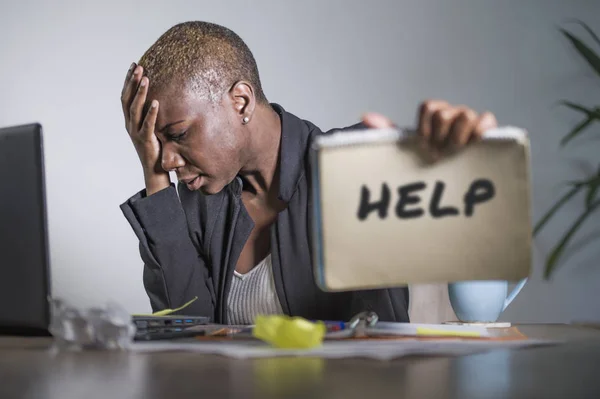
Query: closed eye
x,y
178,137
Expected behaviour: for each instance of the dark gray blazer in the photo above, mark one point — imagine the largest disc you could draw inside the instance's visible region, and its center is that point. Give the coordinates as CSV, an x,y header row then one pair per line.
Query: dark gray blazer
x,y
190,244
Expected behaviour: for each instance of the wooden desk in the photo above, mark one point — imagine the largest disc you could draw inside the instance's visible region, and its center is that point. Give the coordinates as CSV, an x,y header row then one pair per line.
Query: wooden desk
x,y
571,370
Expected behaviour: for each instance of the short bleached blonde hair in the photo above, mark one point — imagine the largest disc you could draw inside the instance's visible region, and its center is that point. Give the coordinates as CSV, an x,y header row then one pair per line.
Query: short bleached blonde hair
x,y
201,56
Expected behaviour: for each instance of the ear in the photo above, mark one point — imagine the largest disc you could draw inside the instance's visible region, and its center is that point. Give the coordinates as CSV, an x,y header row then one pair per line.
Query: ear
x,y
242,96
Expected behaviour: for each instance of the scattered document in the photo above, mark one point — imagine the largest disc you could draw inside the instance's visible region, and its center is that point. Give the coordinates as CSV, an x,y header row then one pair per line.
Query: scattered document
x,y
334,349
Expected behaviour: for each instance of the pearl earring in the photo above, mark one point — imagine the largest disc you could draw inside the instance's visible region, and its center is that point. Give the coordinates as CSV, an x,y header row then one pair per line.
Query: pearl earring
x,y
245,120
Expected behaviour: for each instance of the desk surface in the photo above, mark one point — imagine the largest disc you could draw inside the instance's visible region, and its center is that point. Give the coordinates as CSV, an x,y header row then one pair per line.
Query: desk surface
x,y
28,370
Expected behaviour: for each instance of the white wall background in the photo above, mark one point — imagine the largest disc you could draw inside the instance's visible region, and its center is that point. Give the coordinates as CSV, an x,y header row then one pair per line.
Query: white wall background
x,y
63,63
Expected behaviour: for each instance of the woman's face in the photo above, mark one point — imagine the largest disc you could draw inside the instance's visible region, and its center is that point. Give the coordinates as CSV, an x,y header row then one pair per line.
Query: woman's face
x,y
201,141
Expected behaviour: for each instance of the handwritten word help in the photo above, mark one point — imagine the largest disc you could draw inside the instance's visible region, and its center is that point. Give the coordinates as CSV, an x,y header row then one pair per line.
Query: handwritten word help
x,y
407,207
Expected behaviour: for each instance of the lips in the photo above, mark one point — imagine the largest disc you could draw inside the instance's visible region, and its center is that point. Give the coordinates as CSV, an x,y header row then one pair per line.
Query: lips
x,y
193,183
188,180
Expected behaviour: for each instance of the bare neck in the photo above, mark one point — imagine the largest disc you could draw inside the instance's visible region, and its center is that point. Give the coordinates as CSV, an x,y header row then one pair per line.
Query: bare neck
x,y
260,172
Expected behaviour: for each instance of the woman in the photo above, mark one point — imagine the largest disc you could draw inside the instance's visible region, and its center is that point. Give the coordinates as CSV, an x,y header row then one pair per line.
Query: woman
x,y
236,233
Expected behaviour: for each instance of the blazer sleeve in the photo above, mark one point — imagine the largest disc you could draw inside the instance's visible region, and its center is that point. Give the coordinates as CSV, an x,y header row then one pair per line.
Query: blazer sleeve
x,y
175,270
356,126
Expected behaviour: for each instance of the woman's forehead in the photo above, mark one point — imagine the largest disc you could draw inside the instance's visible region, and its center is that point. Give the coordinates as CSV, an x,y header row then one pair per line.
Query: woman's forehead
x,y
175,106
177,102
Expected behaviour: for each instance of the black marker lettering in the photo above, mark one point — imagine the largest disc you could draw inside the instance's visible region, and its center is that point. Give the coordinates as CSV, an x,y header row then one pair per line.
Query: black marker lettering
x,y
434,206
382,206
407,199
481,190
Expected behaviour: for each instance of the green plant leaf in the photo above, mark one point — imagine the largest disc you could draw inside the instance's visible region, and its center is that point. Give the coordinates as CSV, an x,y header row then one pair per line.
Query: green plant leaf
x,y
578,183
558,250
590,56
589,112
563,200
589,30
592,115
576,130
592,190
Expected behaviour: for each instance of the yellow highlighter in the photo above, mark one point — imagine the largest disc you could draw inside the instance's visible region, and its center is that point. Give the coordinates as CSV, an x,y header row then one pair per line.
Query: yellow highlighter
x,y
427,330
435,332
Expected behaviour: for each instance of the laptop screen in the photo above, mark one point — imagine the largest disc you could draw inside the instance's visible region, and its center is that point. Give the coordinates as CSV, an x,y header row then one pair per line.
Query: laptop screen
x,y
24,256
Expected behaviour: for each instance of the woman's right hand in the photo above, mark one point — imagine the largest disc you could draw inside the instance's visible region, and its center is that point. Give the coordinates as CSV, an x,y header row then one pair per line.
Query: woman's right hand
x,y
141,128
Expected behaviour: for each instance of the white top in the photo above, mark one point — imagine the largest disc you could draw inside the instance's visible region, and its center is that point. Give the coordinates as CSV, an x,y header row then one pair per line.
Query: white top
x,y
252,294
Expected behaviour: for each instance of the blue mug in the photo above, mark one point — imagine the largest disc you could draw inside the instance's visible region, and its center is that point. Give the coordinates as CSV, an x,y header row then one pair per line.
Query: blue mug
x,y
481,301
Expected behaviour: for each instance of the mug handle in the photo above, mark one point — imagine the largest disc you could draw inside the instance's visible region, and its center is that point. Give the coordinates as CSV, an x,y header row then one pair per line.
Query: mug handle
x,y
514,293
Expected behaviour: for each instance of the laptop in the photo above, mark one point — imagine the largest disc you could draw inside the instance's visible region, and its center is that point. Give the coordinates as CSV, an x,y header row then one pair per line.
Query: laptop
x,y
178,321
24,251
167,327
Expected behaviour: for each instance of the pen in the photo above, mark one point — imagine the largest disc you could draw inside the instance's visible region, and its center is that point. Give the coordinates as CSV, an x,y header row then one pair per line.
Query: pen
x,y
332,325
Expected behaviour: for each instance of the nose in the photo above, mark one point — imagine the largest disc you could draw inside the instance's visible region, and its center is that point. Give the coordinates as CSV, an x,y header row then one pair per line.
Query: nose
x,y
170,159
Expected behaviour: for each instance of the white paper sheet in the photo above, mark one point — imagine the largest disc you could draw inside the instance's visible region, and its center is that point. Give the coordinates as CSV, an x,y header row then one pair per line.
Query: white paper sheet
x,y
372,349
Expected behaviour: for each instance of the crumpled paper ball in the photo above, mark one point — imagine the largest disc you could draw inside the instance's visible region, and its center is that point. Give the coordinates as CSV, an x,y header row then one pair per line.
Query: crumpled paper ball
x,y
109,327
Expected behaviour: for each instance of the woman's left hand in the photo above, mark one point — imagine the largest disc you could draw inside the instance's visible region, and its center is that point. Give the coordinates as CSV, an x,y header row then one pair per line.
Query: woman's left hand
x,y
442,125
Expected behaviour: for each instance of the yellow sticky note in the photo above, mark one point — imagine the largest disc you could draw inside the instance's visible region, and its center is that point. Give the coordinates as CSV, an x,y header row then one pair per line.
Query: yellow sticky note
x,y
289,332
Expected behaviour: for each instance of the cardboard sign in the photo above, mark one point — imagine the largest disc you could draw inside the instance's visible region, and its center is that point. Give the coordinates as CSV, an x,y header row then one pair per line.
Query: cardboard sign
x,y
385,217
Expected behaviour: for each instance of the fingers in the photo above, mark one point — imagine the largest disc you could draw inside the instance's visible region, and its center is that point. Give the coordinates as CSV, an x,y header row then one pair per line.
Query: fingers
x,y
130,89
127,77
150,120
462,127
486,121
441,122
137,105
426,111
442,125
377,121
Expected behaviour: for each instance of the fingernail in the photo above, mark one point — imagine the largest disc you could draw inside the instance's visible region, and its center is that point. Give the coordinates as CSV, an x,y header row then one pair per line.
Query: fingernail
x,y
143,82
154,104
